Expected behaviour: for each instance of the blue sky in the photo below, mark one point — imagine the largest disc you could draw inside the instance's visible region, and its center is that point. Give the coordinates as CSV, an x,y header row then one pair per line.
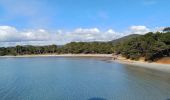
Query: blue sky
x,y
69,15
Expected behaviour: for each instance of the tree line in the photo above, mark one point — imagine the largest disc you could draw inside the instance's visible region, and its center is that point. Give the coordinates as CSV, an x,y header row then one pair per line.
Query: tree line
x,y
73,47
151,46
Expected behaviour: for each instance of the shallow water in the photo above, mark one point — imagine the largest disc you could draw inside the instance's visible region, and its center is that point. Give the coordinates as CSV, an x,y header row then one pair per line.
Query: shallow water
x,y
57,78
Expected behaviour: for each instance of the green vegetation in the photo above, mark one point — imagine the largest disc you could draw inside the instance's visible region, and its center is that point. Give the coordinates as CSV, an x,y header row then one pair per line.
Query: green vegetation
x,y
125,38
73,47
151,46
88,47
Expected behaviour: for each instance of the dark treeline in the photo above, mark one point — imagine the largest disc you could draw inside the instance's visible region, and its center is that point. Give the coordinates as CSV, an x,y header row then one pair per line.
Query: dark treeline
x,y
151,46
73,47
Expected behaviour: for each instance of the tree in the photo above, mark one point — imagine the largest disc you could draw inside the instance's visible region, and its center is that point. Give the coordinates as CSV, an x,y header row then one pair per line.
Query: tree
x,y
167,29
152,46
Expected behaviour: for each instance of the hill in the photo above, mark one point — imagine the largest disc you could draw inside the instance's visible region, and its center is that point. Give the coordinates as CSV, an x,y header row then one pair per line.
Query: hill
x,y
125,38
151,46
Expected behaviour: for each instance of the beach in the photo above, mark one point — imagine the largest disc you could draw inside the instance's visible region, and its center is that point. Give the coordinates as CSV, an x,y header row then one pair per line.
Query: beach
x,y
143,64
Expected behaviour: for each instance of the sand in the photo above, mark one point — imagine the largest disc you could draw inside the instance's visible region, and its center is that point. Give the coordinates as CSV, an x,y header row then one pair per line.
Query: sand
x,y
165,60
141,63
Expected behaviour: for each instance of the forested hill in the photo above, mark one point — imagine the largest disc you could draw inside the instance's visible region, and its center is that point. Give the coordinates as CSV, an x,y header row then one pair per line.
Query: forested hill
x,y
151,46
125,38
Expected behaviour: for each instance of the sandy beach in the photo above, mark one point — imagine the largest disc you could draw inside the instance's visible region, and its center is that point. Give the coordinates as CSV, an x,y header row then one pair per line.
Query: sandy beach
x,y
143,64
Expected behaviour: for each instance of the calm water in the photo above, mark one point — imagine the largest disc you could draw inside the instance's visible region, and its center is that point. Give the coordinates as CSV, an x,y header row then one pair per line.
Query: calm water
x,y
53,78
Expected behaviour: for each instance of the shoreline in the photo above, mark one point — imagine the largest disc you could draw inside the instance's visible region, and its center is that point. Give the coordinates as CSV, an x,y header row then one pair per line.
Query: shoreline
x,y
109,57
147,65
62,55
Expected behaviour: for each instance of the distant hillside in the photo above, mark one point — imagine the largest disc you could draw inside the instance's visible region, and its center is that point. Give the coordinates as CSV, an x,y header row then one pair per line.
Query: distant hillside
x,y
125,38
151,46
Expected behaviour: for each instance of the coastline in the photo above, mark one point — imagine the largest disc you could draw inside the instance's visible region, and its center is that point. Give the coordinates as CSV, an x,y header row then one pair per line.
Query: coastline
x,y
64,55
143,64
109,57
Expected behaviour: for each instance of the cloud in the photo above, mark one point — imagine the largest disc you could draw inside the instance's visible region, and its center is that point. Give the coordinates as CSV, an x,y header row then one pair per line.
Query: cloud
x,y
86,34
93,34
139,29
10,36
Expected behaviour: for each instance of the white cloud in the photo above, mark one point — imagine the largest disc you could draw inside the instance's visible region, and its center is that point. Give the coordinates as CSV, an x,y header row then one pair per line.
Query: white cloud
x,y
92,34
139,29
8,33
158,29
91,30
10,36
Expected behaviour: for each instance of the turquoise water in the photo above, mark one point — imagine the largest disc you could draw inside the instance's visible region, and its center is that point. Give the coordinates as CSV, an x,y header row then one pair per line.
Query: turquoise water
x,y
52,78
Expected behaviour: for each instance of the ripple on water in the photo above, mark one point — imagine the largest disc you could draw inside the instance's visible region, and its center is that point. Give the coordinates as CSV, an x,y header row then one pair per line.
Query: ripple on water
x,y
78,79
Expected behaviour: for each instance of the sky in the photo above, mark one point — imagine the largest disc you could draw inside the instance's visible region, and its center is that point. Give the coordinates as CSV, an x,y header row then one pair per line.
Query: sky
x,y
42,22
